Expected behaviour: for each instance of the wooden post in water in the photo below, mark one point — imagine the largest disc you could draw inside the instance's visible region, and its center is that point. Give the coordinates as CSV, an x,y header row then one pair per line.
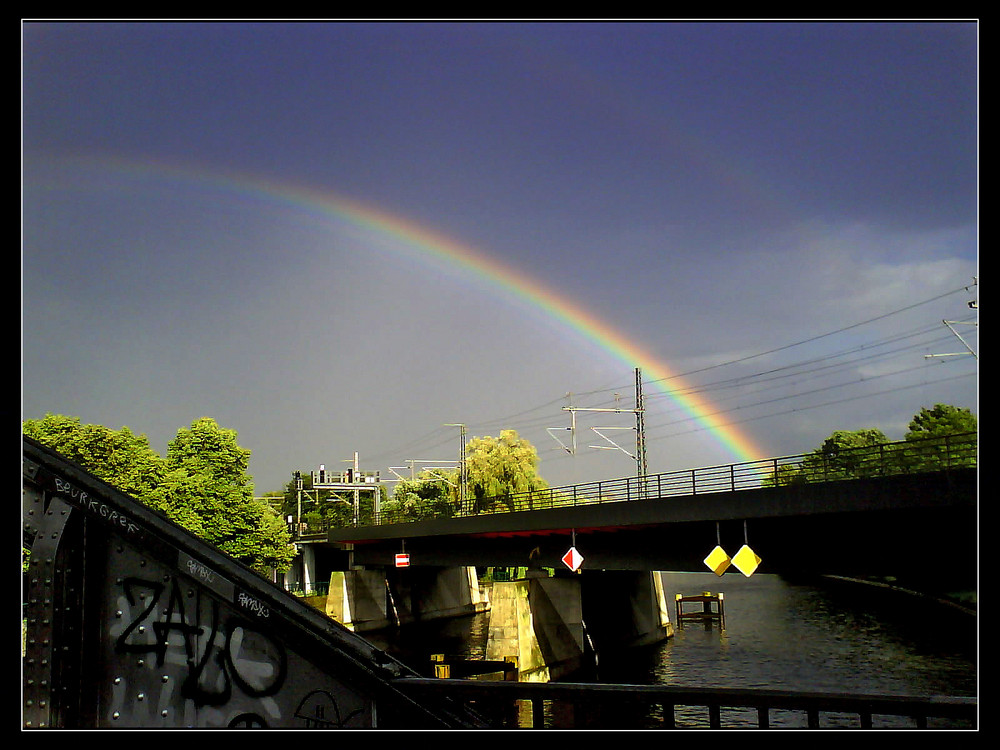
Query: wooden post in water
x,y
706,615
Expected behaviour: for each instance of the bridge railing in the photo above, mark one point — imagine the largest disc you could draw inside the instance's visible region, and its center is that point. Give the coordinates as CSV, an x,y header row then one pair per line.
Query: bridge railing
x,y
887,459
823,465
563,705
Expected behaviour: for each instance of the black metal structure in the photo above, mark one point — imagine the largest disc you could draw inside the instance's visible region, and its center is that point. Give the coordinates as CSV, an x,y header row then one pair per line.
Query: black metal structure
x,y
131,621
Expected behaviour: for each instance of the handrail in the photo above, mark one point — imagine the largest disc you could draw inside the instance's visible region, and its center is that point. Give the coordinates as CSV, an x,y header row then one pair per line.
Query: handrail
x,y
495,701
887,459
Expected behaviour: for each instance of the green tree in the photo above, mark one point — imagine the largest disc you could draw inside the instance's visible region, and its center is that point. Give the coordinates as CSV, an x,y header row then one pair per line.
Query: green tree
x,y
429,495
202,485
941,437
121,458
941,420
321,509
845,454
498,468
206,488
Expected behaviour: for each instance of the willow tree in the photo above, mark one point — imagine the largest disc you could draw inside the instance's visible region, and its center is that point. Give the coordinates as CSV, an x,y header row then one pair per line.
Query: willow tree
x,y
499,468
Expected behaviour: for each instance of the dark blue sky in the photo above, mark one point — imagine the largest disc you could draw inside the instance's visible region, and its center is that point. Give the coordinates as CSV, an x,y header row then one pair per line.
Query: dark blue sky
x,y
712,191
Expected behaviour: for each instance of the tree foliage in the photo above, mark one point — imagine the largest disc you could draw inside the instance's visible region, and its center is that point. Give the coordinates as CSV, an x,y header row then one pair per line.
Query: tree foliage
x,y
431,494
939,432
121,458
937,438
201,485
497,468
941,420
319,509
500,467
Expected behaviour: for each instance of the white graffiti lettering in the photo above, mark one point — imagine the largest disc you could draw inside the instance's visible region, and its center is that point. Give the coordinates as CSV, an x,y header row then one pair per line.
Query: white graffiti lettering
x,y
197,570
255,606
93,505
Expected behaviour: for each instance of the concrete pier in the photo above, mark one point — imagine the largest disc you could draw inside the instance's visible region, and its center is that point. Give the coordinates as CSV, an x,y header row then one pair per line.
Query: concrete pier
x,y
365,600
546,623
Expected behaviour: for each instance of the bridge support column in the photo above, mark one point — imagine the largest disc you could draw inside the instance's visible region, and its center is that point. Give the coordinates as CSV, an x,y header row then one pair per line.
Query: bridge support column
x,y
538,621
365,600
624,609
308,566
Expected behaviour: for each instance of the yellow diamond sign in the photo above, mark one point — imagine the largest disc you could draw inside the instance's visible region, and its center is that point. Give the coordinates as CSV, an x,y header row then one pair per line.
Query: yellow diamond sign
x,y
746,561
717,561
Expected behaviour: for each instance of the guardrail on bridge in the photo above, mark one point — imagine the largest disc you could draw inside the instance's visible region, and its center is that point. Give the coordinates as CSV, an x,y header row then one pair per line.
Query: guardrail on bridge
x,y
587,705
888,459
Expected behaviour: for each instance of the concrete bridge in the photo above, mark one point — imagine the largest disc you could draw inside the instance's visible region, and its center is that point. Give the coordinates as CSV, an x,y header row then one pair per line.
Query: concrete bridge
x,y
907,510
921,524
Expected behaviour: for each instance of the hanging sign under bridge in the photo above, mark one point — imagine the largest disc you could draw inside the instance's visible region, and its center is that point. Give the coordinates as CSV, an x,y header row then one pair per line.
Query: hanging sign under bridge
x,y
403,560
573,559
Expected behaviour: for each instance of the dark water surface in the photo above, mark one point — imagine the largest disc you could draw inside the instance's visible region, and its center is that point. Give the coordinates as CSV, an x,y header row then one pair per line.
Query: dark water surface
x,y
779,635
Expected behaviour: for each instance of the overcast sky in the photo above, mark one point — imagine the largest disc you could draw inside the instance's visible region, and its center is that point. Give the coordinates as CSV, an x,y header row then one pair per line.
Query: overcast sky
x,y
299,229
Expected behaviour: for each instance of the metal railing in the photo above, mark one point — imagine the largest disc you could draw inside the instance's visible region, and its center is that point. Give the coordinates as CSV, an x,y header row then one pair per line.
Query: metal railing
x,y
888,459
506,705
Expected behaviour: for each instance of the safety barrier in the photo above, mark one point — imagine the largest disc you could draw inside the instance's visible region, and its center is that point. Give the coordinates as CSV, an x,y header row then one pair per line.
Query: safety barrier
x,y
586,705
883,460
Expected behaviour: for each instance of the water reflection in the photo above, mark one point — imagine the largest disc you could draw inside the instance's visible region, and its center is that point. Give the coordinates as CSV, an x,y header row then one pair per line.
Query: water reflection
x,y
779,635
790,636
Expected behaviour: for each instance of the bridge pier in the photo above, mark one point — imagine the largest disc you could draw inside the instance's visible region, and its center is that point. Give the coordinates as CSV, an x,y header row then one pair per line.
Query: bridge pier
x,y
553,625
625,609
366,600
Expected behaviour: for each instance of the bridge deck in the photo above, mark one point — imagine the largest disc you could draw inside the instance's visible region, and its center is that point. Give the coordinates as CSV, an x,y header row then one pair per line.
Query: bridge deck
x,y
896,501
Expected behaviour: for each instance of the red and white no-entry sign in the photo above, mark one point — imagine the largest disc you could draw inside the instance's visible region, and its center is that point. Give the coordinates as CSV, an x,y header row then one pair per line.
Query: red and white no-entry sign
x,y
573,559
402,560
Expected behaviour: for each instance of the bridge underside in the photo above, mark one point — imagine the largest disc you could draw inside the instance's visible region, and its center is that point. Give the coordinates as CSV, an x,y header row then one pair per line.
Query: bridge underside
x,y
922,527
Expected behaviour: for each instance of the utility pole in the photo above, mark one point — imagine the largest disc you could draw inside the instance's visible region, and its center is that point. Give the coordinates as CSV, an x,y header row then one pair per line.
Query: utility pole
x,y
640,429
463,476
357,494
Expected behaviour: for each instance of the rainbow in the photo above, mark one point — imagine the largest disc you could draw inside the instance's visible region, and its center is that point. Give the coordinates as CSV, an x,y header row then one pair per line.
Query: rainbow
x,y
458,256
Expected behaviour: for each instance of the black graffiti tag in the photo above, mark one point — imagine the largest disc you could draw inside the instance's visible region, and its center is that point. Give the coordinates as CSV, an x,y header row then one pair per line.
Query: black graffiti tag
x,y
249,658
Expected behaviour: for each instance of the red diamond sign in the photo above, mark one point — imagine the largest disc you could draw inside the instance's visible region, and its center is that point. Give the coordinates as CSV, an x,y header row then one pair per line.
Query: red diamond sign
x,y
573,559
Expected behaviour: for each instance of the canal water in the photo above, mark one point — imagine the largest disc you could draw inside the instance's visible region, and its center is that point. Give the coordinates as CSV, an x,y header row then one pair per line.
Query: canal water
x,y
819,636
